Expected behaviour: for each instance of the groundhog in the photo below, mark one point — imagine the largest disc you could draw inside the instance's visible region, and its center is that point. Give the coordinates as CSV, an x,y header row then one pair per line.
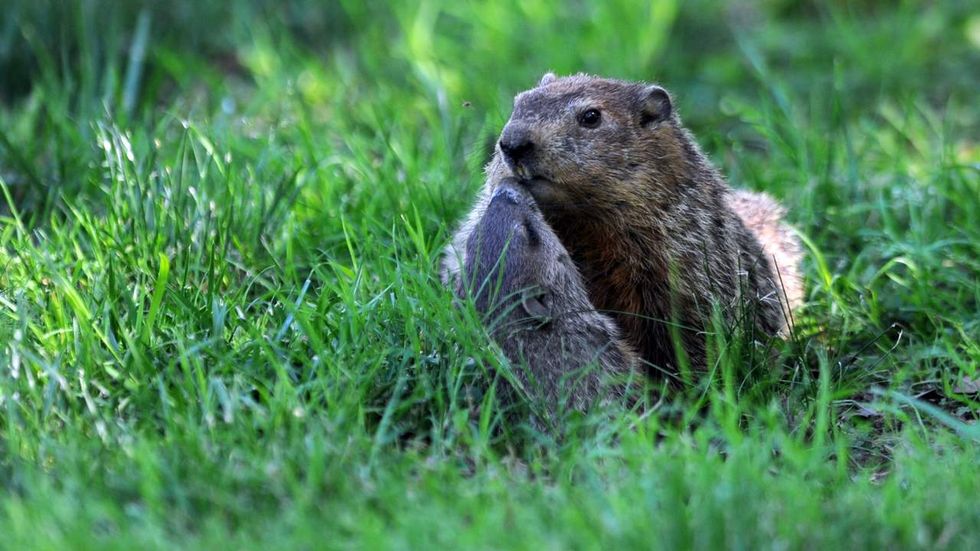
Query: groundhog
x,y
657,235
523,281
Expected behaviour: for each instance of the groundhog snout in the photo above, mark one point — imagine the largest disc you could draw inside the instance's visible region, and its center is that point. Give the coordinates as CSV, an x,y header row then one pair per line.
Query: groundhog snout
x,y
516,143
508,193
510,206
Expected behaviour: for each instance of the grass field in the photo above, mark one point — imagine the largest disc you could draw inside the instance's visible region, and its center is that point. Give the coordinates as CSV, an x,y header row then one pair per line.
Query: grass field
x,y
221,324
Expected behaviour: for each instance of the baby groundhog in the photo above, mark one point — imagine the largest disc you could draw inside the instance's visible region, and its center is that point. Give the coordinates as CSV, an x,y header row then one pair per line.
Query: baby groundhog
x,y
657,235
537,308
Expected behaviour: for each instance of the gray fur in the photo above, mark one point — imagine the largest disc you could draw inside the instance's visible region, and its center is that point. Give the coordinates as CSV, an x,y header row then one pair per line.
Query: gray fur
x,y
654,230
536,306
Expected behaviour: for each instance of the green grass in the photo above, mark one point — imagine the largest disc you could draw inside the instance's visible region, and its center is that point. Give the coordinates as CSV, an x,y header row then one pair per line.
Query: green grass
x,y
221,323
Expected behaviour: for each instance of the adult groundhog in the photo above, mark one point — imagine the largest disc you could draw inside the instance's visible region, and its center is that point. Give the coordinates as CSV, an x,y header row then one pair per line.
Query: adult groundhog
x,y
654,230
537,308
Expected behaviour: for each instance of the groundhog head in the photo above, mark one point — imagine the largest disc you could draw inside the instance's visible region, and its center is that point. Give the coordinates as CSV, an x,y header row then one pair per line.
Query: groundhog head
x,y
519,270
570,138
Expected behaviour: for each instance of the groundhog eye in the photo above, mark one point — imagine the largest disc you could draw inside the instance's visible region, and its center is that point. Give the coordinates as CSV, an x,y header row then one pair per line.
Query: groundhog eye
x,y
590,118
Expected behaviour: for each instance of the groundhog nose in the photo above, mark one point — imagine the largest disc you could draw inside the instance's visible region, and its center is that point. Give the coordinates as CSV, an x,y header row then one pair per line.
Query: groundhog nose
x,y
516,142
507,193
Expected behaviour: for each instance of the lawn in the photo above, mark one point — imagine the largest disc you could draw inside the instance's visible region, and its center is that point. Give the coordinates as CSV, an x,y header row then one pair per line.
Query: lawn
x,y
222,326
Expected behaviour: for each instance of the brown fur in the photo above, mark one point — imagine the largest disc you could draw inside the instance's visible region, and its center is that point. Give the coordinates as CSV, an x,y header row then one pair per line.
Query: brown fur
x,y
763,216
656,233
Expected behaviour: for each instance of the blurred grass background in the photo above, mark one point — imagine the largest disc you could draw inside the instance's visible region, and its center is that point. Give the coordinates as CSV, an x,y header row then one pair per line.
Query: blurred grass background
x,y
220,321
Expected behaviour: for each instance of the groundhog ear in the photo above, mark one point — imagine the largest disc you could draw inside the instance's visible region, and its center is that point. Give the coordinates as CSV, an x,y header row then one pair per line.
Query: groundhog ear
x,y
655,105
534,302
548,78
